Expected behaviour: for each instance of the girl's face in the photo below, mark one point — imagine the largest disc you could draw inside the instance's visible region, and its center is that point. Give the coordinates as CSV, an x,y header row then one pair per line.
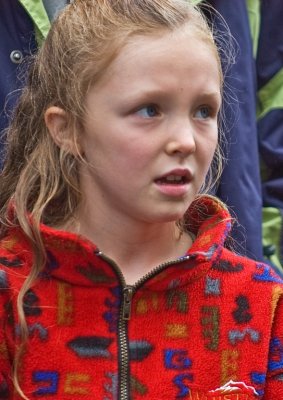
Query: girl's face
x,y
151,128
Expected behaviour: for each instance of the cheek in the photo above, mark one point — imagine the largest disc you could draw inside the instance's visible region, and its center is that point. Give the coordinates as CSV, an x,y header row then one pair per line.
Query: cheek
x,y
139,151
207,149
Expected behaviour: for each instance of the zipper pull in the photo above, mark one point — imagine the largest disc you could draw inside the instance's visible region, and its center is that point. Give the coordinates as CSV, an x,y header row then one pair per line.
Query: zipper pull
x,y
127,302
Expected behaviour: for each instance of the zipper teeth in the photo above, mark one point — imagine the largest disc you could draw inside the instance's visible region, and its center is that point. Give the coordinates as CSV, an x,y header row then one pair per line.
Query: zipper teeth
x,y
122,325
155,270
114,265
124,360
144,278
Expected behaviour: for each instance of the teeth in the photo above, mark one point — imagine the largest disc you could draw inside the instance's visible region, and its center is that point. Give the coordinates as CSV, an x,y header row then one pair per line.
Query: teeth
x,y
174,178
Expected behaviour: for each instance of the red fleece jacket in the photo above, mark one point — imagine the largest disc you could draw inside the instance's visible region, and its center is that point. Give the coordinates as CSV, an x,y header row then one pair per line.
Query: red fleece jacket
x,y
206,326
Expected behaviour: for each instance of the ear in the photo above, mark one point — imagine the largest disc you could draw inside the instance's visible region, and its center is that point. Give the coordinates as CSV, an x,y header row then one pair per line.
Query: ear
x,y
56,120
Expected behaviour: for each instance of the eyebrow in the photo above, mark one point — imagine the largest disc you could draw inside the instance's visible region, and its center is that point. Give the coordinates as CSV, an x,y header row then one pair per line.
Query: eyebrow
x,y
212,95
162,92
159,94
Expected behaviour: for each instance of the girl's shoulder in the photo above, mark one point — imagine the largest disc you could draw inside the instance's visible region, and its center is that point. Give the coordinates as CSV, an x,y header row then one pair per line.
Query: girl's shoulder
x,y
15,260
248,275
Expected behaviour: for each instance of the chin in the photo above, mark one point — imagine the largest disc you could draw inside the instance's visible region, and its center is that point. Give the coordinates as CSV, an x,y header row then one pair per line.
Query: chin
x,y
169,216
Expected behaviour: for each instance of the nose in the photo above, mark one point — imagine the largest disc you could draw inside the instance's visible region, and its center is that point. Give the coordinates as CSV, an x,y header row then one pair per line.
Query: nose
x,y
181,139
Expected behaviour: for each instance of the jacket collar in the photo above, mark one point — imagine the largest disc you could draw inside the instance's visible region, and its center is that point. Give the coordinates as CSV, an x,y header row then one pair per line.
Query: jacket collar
x,y
76,260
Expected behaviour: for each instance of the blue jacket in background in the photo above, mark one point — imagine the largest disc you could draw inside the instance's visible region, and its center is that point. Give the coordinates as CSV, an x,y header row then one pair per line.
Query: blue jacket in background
x,y
269,65
17,41
21,24
240,185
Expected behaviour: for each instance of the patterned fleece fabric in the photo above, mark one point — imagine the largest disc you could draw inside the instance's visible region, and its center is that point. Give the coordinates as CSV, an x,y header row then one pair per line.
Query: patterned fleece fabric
x,y
206,326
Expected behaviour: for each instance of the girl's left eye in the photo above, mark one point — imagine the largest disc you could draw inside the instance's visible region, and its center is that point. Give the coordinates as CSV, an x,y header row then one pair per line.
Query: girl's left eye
x,y
203,112
149,111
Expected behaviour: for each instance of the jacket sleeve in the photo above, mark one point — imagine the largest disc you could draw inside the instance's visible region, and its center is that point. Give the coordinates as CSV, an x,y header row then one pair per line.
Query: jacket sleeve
x,y
5,364
274,377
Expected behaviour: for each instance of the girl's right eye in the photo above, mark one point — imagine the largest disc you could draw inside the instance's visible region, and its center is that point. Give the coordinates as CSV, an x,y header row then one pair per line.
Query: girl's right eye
x,y
149,111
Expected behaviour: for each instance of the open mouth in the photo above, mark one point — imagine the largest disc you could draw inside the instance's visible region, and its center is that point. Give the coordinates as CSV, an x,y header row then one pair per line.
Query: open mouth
x,y
173,180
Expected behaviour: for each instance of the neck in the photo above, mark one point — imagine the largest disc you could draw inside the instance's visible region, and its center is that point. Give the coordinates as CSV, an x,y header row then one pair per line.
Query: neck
x,y
136,247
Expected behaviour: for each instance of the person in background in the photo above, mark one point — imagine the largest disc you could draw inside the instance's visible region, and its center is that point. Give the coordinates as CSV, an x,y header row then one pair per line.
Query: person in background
x,y
23,26
254,170
115,263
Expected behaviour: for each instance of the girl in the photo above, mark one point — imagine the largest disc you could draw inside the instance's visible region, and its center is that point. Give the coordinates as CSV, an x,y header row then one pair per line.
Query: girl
x,y
115,281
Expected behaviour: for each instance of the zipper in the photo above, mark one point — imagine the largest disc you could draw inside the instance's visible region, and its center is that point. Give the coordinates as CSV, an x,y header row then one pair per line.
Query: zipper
x,y
127,302
125,316
124,368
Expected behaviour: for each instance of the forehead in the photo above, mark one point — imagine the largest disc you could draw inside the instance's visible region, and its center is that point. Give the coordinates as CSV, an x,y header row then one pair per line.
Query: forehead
x,y
163,58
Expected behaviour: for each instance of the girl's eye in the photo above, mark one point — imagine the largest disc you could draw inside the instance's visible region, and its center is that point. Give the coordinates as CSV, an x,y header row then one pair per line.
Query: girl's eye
x,y
149,111
203,112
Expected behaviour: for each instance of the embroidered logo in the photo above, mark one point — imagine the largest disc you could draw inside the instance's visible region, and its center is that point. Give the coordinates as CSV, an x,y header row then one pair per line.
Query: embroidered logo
x,y
235,387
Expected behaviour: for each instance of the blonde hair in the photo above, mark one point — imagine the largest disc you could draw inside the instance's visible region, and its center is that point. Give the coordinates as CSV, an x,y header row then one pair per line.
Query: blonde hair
x,y
40,178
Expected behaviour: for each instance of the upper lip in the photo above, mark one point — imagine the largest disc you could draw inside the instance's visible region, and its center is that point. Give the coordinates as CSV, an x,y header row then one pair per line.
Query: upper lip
x,y
182,172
